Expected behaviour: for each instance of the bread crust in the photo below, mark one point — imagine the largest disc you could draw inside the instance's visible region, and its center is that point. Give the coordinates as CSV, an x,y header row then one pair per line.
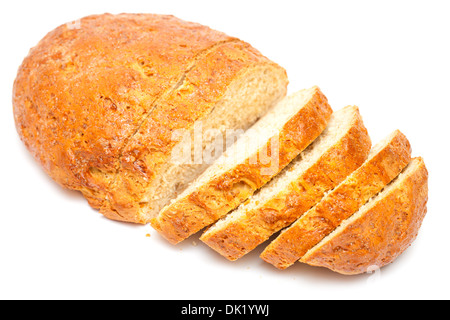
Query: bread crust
x,y
381,233
223,193
150,147
340,203
86,99
242,235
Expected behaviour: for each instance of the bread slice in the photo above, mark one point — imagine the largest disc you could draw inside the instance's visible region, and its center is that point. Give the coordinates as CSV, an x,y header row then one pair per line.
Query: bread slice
x,y
339,150
381,229
386,160
248,164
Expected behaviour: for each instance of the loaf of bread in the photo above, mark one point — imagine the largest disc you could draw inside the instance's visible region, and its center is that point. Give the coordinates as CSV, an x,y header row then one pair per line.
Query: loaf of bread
x,y
97,104
339,150
380,230
386,160
271,144
113,106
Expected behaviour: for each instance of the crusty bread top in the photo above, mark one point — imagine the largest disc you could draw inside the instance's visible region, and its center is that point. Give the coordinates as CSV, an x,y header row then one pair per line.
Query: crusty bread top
x,y
341,148
87,89
381,230
386,160
291,126
84,95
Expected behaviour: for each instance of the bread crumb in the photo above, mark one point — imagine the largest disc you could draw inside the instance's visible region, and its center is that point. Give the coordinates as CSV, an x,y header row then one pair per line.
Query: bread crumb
x,y
194,243
148,235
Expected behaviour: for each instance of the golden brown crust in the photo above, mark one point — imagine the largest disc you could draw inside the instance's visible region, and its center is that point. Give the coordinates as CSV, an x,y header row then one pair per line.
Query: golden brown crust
x,y
340,203
151,145
243,235
83,97
225,192
381,233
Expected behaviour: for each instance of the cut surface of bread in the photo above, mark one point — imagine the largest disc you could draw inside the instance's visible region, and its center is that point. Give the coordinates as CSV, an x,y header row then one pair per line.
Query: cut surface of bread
x,y
386,160
257,156
246,99
97,105
341,148
380,230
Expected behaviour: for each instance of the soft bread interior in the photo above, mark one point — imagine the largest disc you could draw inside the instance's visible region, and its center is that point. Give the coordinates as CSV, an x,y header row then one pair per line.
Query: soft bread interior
x,y
245,101
255,138
267,127
340,122
396,183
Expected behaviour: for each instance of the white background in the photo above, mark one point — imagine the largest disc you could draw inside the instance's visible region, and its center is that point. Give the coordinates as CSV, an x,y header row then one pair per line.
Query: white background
x,y
391,58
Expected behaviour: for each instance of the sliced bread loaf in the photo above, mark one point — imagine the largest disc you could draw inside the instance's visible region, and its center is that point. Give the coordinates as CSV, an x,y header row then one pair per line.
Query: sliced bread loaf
x,y
386,160
264,150
381,229
338,151
97,105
